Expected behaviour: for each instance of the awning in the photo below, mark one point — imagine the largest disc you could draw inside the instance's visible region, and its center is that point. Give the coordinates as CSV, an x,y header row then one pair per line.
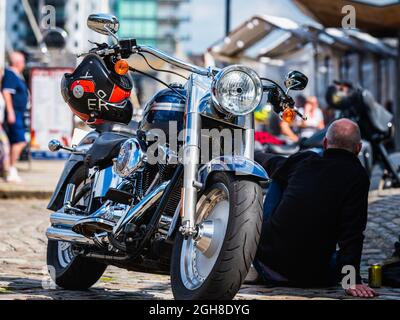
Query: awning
x,y
377,17
274,37
251,32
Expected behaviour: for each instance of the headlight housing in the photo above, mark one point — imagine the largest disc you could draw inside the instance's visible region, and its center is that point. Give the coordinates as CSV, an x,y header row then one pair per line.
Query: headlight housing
x,y
236,90
130,158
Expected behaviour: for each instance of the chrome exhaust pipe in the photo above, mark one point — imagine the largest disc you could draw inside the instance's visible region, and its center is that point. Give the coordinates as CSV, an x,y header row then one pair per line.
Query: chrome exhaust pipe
x,y
140,208
63,234
64,220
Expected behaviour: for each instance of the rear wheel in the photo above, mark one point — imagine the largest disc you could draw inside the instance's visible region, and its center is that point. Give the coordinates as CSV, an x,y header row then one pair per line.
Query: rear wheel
x,y
215,263
68,270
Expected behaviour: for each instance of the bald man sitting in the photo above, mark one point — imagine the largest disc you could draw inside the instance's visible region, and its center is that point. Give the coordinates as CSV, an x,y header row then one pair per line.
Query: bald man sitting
x,y
315,204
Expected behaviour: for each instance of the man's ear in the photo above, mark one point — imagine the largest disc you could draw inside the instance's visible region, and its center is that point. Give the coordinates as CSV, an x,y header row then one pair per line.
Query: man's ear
x,y
358,148
325,143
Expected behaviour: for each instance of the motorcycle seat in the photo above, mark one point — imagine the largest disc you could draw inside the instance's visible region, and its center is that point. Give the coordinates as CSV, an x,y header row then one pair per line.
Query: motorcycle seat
x,y
286,149
105,148
127,129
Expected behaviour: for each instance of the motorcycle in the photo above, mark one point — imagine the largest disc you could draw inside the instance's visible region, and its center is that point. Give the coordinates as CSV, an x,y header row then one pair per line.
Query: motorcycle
x,y
198,220
375,122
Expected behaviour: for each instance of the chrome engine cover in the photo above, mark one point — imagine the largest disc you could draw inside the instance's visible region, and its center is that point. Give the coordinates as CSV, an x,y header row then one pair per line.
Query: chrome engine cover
x,y
130,159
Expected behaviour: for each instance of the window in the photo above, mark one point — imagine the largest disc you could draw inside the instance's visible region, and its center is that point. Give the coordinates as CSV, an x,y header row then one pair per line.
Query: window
x,y
139,29
137,9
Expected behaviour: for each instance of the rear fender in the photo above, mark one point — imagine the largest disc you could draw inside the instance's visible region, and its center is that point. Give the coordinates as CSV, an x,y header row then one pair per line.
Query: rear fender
x,y
74,161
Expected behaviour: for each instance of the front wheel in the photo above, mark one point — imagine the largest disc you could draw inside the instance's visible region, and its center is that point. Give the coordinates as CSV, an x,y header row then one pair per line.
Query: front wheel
x,y
214,264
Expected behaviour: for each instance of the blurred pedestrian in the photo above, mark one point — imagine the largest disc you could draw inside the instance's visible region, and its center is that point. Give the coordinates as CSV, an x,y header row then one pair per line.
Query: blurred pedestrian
x,y
4,144
315,118
15,92
289,132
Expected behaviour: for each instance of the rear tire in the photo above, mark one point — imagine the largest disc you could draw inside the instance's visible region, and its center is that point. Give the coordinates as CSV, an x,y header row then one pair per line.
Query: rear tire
x,y
237,249
66,269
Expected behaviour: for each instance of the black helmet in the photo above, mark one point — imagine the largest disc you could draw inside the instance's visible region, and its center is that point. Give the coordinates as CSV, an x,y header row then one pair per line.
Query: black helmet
x,y
95,94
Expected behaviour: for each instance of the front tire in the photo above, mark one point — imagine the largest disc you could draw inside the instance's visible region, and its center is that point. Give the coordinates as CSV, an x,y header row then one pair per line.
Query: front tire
x,y
68,270
214,266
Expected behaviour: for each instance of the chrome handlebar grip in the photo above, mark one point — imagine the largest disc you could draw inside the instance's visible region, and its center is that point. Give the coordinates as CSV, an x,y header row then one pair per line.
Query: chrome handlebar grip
x,y
172,60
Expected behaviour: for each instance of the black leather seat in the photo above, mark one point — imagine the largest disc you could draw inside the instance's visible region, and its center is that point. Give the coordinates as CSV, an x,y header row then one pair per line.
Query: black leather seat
x,y
126,129
104,149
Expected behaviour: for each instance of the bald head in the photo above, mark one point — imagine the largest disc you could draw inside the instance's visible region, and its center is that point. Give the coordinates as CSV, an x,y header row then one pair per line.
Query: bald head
x,y
17,61
343,134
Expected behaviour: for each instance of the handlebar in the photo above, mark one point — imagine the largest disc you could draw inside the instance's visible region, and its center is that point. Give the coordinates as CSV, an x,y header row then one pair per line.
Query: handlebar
x,y
172,60
133,48
128,46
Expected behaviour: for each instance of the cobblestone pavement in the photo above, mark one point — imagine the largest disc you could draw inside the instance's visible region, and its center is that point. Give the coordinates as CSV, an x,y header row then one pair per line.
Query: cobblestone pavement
x,y
23,247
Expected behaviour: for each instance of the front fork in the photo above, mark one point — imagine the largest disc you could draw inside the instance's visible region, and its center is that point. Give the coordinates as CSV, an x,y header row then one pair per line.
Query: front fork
x,y
191,156
191,152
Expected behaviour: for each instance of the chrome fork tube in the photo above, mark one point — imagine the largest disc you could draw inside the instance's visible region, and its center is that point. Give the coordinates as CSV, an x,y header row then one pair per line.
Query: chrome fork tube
x,y
191,156
249,137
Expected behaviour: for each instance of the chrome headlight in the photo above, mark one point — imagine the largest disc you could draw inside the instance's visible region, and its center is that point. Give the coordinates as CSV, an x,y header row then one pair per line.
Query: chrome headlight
x,y
130,158
236,90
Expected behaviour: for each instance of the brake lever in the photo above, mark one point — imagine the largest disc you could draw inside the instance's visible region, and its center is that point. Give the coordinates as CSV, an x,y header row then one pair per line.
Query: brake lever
x,y
302,116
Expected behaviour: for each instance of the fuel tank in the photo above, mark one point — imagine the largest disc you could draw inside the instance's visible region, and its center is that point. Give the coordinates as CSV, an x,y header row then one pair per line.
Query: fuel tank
x,y
167,105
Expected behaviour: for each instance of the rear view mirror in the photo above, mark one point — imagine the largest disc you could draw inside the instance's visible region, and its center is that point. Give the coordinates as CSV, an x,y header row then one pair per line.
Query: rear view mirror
x,y
103,23
295,80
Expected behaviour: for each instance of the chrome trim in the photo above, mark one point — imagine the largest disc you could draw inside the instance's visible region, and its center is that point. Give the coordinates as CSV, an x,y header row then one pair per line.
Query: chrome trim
x,y
239,165
167,106
174,220
197,88
220,76
140,208
126,164
249,137
69,195
62,234
101,225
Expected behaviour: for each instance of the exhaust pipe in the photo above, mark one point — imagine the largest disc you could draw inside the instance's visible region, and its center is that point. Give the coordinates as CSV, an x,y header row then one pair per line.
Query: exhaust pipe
x,y
62,223
67,235
140,208
64,220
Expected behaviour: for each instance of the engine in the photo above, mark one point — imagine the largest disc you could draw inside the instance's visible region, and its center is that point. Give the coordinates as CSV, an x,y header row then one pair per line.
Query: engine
x,y
132,165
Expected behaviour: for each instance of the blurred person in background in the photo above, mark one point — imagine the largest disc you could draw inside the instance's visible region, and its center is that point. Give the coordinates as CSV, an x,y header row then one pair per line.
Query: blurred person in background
x,y
288,132
4,144
315,118
15,92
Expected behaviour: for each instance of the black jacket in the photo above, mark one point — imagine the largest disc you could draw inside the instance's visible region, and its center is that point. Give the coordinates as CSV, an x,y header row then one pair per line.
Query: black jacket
x,y
324,205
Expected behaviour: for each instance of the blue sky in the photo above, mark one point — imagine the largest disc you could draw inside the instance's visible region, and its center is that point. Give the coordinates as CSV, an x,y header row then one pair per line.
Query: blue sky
x,y
207,22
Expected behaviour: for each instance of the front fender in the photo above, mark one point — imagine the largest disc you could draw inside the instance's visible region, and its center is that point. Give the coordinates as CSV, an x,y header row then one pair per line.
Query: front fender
x,y
237,164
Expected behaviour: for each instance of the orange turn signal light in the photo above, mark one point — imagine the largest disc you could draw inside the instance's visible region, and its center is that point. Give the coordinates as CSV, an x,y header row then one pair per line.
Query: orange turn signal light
x,y
288,115
121,67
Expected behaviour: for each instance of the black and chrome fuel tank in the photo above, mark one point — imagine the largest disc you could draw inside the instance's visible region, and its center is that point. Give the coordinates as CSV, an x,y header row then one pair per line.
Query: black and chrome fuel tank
x,y
167,105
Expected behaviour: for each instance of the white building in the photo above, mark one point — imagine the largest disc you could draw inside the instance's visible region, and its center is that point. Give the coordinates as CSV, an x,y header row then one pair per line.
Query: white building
x,y
76,12
2,33
70,15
